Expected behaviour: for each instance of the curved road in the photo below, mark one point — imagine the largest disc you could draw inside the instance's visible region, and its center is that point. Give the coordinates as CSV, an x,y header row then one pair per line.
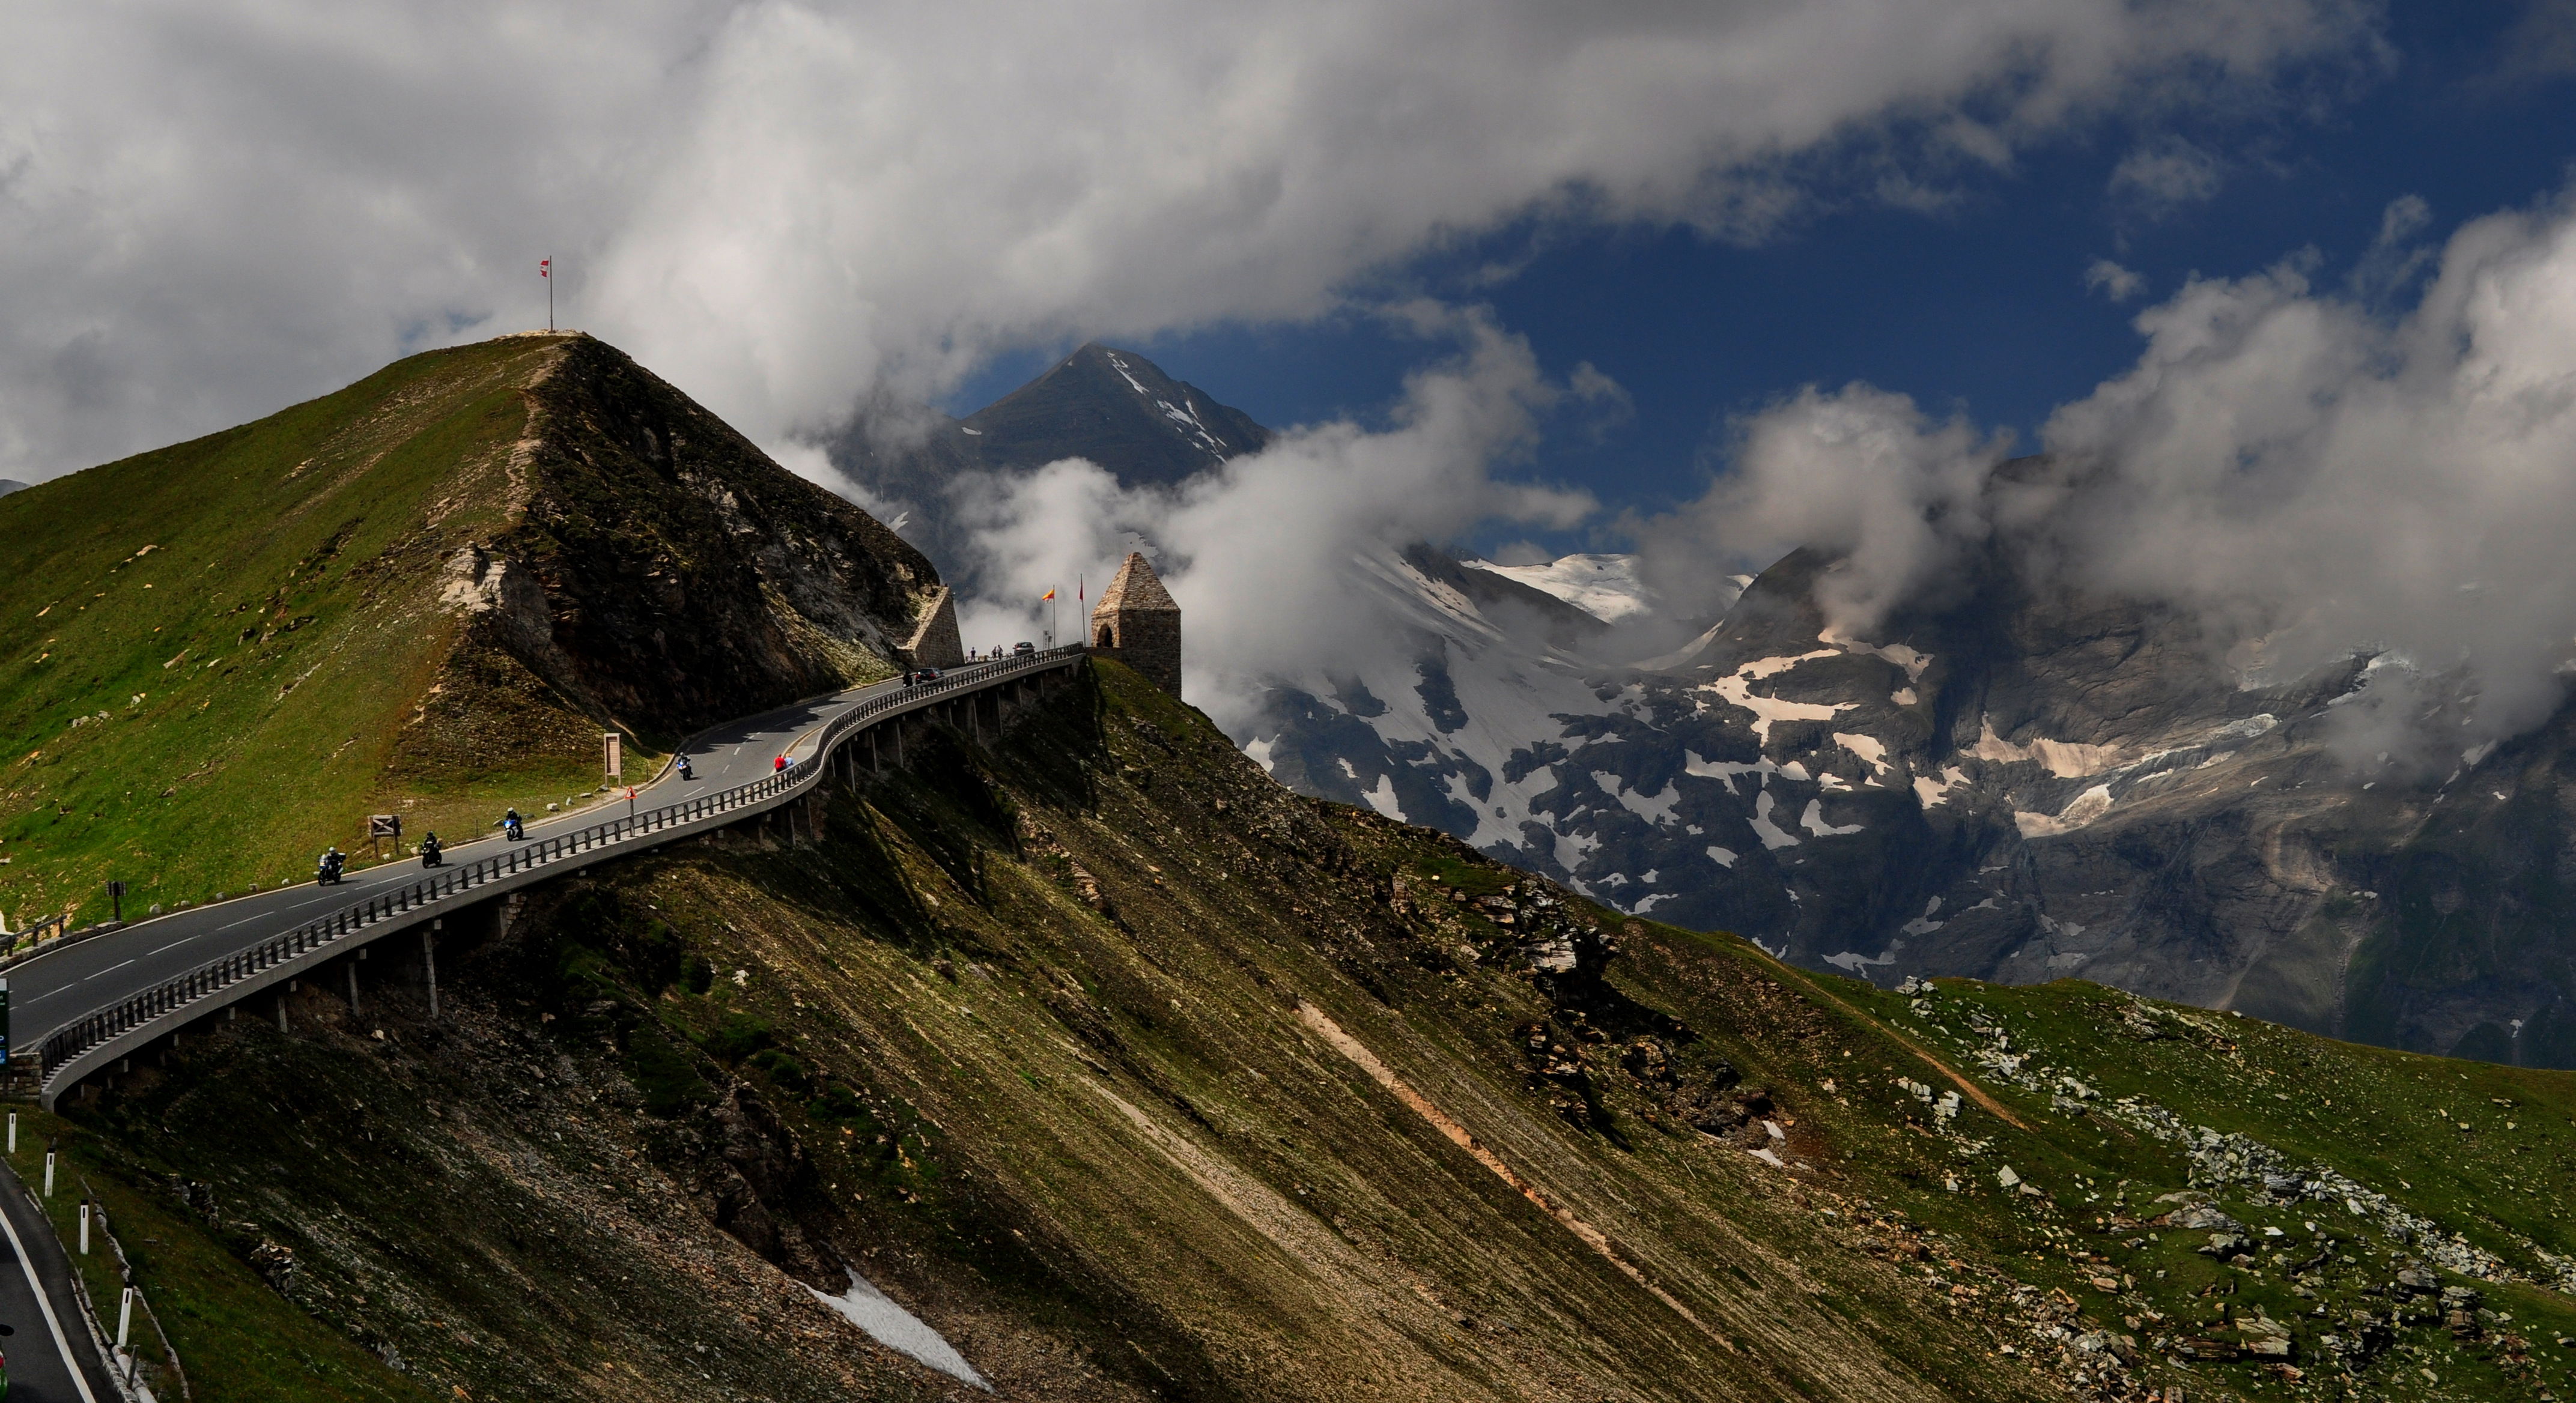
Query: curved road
x,y
52,1358
59,985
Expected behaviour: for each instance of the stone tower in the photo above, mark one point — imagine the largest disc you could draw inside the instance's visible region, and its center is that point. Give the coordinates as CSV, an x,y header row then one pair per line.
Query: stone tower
x,y
1137,623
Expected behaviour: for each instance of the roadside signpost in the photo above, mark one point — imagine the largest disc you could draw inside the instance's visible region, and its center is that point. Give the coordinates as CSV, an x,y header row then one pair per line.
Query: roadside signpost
x,y
381,827
612,754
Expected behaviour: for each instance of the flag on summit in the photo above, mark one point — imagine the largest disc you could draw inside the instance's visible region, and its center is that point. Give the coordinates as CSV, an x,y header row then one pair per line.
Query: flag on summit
x,y
1050,594
545,267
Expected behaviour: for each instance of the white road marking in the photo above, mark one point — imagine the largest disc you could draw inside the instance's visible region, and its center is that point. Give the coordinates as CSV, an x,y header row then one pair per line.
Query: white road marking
x,y
44,1303
111,969
173,945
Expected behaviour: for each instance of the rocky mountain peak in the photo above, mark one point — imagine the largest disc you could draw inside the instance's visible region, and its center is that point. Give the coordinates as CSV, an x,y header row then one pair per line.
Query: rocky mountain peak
x,y
1117,409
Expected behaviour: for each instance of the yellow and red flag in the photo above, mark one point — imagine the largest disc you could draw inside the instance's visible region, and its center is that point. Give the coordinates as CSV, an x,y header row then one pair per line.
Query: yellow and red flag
x,y
1050,594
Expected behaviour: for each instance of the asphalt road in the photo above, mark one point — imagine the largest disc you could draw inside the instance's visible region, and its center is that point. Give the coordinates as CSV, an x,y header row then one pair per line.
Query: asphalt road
x,y
51,1357
54,988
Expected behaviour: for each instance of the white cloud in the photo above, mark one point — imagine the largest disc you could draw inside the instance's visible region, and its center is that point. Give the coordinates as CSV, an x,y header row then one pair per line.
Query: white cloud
x,y
2113,281
1260,553
2165,175
207,210
2290,464
1858,473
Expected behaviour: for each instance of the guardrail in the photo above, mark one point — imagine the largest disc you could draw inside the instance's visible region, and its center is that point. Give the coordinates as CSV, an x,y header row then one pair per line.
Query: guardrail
x,y
31,939
67,1047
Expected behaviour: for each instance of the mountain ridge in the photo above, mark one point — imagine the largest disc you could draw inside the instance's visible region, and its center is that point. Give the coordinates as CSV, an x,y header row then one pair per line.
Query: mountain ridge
x,y
1125,1072
429,594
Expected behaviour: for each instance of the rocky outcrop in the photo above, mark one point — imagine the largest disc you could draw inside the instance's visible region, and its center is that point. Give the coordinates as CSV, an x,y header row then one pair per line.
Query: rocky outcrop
x,y
660,573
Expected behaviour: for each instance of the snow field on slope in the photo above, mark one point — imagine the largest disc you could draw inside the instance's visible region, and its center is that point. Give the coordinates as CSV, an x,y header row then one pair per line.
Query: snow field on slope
x,y
1607,587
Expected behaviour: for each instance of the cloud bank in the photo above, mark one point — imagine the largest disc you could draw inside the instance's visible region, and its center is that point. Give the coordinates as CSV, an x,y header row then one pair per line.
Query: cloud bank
x,y
208,211
2310,474
1262,553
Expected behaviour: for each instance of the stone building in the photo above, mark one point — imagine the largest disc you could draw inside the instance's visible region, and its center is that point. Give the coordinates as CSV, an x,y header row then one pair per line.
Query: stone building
x,y
1137,623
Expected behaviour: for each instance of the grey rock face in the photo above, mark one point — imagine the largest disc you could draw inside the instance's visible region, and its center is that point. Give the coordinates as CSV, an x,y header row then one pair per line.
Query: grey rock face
x,y
2004,782
2011,785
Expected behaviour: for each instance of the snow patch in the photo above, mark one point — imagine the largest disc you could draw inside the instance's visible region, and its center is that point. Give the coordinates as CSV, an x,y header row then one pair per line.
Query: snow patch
x,y
1260,751
1722,857
1907,658
1737,689
1928,793
1724,771
1383,799
1771,834
1856,962
1605,586
1869,748
1813,820
2064,759
2088,806
898,1329
1656,810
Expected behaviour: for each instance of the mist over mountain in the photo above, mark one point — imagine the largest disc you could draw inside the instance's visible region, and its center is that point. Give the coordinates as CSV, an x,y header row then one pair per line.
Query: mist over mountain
x,y
1110,407
1930,744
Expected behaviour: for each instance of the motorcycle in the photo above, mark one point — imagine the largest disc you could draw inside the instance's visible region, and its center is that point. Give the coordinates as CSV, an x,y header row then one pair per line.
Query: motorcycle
x,y
513,829
431,854
687,773
327,872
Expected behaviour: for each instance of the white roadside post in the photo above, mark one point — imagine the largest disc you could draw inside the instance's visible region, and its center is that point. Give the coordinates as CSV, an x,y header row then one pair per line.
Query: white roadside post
x,y
13,1132
49,1174
125,1355
84,1229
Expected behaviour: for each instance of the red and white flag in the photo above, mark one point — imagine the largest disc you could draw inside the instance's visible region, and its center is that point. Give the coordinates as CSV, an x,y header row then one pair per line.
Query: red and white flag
x,y
545,267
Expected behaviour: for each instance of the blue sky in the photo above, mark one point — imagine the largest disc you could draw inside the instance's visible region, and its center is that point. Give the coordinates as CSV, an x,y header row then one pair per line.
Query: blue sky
x,y
1980,306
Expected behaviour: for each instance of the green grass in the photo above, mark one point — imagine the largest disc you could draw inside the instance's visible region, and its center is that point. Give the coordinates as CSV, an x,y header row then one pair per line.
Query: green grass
x,y
237,1338
209,653
957,1008
2392,1121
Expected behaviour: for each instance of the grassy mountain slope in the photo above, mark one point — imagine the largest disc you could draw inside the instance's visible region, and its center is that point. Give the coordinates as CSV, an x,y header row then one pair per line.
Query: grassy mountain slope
x,y
428,593
1138,1076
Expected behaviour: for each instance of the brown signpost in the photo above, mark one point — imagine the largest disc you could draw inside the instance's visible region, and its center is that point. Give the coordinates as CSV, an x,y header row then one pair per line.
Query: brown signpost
x,y
381,827
612,753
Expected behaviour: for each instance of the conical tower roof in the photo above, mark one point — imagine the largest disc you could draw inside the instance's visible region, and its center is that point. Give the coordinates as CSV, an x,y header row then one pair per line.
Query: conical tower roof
x,y
1135,589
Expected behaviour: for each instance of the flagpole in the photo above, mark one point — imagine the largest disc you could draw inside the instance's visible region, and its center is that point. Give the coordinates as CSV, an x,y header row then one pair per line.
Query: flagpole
x,y
550,294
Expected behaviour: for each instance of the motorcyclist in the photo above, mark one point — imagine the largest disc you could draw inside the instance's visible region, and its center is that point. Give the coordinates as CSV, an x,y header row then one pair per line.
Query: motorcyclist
x,y
782,764
430,852
686,772
327,870
513,827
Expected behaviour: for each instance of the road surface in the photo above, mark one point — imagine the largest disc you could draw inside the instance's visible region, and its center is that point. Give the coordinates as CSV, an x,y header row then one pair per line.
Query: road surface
x,y
60,985
52,1358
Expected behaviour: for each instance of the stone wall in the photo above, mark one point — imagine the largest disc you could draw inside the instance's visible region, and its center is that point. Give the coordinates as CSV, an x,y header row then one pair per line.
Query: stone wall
x,y
936,642
1149,642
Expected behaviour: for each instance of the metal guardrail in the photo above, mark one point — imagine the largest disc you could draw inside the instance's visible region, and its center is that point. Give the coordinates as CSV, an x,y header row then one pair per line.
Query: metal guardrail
x,y
31,939
69,1042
